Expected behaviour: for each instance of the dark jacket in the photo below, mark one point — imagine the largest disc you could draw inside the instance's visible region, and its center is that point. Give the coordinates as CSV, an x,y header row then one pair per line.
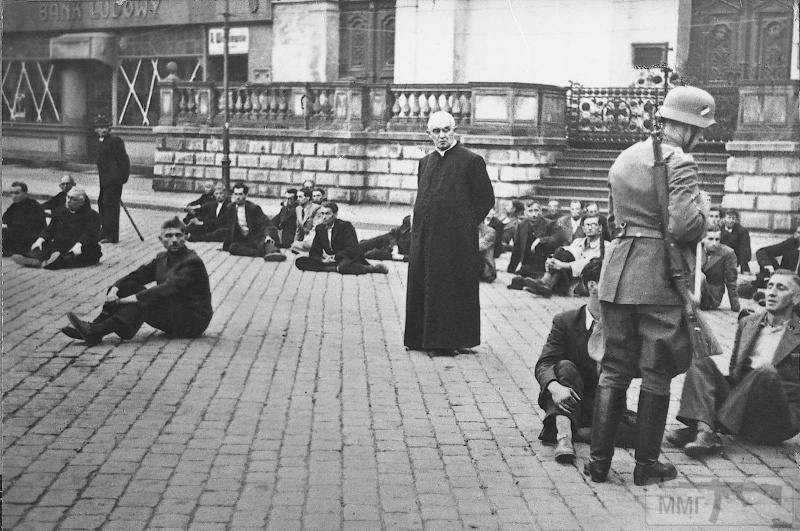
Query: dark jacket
x,y
738,239
286,223
113,163
25,219
720,271
58,200
208,215
182,282
68,228
787,250
258,224
565,222
401,235
343,244
567,340
549,232
786,360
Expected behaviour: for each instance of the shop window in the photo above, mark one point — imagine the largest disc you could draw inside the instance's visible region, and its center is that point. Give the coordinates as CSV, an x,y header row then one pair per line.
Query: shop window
x,y
30,92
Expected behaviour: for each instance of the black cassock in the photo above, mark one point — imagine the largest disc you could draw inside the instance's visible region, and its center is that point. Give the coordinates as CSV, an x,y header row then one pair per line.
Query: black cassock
x,y
454,194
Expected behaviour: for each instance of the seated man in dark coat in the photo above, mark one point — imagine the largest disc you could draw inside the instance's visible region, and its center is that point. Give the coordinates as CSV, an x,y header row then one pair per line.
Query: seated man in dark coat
x,y
335,247
179,304
535,239
60,199
194,206
208,224
759,400
70,240
286,219
737,238
394,245
567,372
571,223
719,273
788,250
23,221
250,232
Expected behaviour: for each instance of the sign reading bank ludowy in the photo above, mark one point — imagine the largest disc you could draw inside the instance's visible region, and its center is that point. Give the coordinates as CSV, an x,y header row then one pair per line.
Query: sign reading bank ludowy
x,y
66,15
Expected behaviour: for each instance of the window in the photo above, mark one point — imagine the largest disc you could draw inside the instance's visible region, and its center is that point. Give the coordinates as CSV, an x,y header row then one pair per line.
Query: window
x,y
649,54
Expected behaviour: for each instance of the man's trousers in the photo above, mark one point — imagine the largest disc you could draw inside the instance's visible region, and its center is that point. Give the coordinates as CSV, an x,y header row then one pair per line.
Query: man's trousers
x,y
67,260
755,408
162,313
567,374
345,266
108,204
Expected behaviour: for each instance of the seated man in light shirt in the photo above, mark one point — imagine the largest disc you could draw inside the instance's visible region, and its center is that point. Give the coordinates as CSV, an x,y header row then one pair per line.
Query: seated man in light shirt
x,y
759,400
567,262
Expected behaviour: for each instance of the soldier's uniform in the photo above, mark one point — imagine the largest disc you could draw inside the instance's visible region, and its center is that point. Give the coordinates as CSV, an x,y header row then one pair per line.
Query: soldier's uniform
x,y
642,313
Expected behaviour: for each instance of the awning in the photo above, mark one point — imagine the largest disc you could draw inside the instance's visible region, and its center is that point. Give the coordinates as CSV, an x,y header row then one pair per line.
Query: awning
x,y
84,46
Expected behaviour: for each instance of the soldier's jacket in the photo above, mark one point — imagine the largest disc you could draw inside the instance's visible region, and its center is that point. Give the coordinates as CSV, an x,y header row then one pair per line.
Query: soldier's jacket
x,y
635,268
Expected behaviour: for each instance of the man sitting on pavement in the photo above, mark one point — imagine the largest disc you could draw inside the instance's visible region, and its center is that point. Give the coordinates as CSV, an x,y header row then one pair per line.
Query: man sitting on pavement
x,y
759,400
70,240
317,196
304,213
209,222
206,197
250,232
594,210
487,236
66,184
571,223
535,239
567,262
23,221
394,245
179,304
719,272
335,247
553,210
788,250
737,238
286,219
567,372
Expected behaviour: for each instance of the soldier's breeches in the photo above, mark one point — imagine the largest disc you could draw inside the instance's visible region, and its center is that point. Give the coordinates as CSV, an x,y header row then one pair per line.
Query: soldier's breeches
x,y
647,341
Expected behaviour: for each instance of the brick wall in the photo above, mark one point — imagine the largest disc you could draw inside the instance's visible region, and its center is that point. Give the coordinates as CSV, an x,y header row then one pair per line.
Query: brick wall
x,y
353,168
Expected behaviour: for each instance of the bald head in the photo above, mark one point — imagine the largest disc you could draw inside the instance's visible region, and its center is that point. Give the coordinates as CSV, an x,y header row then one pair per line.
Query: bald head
x,y
441,129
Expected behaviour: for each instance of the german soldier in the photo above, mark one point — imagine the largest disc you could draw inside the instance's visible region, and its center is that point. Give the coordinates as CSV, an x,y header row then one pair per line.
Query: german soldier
x,y
641,308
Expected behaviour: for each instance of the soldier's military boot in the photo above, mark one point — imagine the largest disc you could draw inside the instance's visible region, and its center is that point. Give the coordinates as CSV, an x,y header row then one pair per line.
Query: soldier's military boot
x,y
651,418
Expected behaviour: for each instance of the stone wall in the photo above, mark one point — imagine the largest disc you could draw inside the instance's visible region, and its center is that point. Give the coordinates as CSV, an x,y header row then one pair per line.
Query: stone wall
x,y
352,167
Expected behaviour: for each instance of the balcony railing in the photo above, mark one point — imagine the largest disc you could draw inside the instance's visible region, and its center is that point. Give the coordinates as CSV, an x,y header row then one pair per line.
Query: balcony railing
x,y
492,108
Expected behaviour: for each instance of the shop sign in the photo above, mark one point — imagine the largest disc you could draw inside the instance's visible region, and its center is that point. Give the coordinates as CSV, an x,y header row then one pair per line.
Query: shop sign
x,y
238,41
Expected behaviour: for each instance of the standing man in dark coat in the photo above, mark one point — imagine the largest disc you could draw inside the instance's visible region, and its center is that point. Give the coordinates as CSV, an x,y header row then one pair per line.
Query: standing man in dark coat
x,y
71,238
179,304
641,309
113,166
23,220
454,194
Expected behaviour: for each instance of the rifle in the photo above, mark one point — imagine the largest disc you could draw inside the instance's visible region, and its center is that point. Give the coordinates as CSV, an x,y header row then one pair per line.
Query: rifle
x,y
701,336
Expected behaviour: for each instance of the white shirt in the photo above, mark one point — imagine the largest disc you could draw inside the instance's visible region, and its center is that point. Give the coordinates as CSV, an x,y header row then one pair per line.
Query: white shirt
x,y
766,344
242,219
330,235
219,207
440,152
583,250
576,223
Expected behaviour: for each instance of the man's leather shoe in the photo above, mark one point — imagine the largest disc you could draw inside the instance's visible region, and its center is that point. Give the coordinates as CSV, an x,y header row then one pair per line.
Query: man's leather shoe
x,y
277,256
84,329
537,287
706,443
565,451
597,470
27,261
657,471
517,283
52,258
70,332
679,437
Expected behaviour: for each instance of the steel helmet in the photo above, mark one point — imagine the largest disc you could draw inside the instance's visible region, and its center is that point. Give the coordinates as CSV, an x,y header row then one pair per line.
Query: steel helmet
x,y
689,105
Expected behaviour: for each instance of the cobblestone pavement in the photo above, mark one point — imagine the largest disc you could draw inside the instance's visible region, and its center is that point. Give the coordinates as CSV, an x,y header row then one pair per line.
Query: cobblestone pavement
x,y
300,409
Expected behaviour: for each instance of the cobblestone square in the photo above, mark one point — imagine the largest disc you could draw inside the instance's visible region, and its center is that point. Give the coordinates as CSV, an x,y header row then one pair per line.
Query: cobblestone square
x,y
300,409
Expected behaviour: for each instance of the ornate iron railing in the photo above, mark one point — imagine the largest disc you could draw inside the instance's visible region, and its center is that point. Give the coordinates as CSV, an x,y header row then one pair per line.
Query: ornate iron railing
x,y
625,115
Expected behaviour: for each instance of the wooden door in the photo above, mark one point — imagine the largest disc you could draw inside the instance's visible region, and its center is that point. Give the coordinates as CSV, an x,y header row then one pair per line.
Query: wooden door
x,y
366,40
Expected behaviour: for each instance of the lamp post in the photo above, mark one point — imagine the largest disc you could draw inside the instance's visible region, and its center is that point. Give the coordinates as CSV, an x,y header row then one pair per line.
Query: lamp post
x,y
226,142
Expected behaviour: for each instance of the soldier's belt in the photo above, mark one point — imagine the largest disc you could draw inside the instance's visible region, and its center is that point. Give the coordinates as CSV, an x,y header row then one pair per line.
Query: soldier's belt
x,y
633,231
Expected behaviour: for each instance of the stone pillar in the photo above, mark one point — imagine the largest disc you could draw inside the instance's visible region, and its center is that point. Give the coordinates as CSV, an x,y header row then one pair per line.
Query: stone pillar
x,y
763,180
73,108
430,41
305,40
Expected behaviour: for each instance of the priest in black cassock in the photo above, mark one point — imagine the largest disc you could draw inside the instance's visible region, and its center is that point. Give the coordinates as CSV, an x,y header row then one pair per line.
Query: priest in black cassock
x,y
454,194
